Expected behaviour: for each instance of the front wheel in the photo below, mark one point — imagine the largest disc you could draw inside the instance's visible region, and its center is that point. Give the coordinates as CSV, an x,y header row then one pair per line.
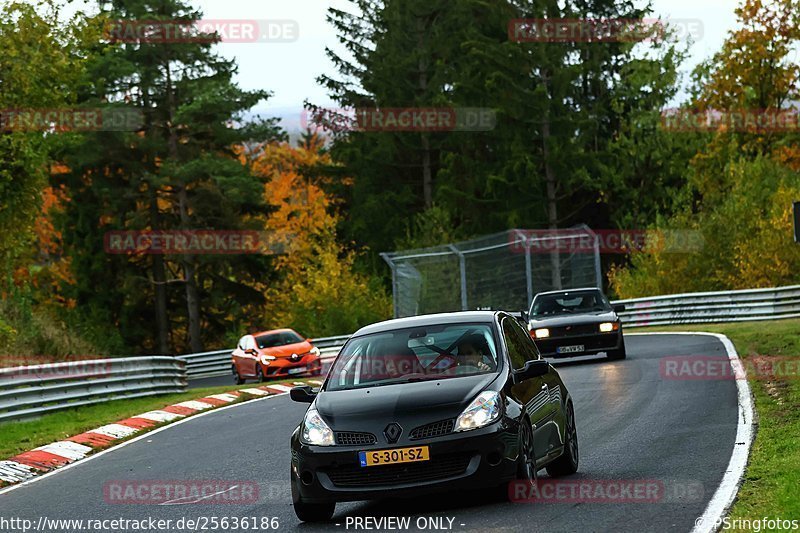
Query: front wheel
x,y
568,462
526,466
314,512
260,374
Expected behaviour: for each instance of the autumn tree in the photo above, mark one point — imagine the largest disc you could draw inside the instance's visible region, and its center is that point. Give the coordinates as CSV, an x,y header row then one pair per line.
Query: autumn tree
x,y
319,290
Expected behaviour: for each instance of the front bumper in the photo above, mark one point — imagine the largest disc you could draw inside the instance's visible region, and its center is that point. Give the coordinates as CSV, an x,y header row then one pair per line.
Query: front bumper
x,y
592,344
479,458
309,364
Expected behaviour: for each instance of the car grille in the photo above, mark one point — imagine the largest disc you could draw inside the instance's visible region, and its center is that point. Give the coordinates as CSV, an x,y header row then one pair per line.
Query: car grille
x,y
582,329
375,476
349,438
436,429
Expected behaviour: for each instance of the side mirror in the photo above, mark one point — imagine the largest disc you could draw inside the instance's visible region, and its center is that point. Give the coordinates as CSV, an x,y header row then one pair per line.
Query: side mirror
x,y
302,394
525,317
618,308
532,369
251,351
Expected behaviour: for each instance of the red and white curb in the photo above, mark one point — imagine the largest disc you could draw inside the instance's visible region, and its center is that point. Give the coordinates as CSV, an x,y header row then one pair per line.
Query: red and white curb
x,y
45,459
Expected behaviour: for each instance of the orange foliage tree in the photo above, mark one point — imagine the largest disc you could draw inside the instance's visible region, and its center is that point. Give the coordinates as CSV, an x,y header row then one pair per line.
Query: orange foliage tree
x,y
319,292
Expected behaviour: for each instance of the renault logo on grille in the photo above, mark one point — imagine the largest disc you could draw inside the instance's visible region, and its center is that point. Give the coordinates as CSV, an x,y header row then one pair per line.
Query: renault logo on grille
x,y
294,357
392,432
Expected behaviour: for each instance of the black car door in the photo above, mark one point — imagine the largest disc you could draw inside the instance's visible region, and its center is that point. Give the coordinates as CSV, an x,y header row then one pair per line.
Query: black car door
x,y
534,393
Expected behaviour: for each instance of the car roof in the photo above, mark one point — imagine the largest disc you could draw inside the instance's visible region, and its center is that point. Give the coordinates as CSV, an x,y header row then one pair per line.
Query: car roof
x,y
427,320
270,331
570,290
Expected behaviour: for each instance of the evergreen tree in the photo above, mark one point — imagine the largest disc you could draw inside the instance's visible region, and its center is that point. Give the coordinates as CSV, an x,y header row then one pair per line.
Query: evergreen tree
x,y
179,171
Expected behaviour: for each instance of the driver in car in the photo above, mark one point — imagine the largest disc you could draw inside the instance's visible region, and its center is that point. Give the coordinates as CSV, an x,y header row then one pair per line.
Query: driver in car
x,y
473,353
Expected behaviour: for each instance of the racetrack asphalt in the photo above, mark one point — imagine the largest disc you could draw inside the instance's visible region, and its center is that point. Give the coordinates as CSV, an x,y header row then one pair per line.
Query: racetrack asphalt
x,y
633,425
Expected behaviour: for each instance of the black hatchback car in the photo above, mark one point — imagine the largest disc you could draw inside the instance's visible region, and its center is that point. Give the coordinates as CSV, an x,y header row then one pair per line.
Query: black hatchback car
x,y
429,404
575,322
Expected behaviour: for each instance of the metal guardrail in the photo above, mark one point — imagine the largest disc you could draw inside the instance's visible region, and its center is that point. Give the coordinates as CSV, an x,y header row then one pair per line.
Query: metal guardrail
x,y
29,391
690,308
218,362
40,389
708,307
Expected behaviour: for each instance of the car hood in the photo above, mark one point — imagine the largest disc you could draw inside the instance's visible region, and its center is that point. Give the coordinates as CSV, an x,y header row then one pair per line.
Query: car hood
x,y
574,319
370,409
287,350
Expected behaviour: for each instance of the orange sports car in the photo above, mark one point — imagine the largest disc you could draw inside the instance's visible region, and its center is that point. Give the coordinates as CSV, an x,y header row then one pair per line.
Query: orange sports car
x,y
278,353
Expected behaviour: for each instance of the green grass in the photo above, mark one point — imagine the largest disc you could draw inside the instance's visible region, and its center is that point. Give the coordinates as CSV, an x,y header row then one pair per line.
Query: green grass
x,y
17,437
771,485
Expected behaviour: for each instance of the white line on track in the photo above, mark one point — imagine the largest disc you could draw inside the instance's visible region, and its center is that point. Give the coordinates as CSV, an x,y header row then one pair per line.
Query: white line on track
x,y
190,499
128,442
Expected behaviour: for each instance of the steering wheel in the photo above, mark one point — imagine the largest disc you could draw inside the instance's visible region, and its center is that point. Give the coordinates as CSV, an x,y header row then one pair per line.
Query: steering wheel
x,y
444,357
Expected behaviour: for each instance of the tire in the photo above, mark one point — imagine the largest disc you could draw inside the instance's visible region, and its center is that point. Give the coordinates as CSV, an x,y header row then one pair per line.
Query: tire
x,y
526,464
568,462
260,373
239,380
618,354
314,512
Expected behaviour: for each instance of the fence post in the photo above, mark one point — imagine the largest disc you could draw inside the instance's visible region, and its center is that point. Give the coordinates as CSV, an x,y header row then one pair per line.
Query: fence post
x,y
597,272
388,259
463,268
528,273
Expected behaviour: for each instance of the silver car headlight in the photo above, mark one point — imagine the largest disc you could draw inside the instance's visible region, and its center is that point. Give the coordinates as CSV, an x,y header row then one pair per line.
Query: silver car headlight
x,y
314,351
483,410
315,431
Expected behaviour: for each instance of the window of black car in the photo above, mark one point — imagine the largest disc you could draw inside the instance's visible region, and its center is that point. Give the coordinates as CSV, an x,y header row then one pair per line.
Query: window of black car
x,y
281,338
530,349
569,302
519,349
415,354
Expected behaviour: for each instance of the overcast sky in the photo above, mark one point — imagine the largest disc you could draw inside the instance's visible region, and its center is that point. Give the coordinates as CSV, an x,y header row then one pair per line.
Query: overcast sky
x,y
289,69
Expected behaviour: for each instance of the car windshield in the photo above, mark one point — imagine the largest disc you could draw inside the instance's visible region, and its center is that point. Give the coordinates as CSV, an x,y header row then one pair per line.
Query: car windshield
x,y
569,302
415,354
281,338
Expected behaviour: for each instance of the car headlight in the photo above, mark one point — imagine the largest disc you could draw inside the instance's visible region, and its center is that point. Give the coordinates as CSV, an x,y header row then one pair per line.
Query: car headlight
x,y
607,327
314,351
315,430
541,333
265,359
483,410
